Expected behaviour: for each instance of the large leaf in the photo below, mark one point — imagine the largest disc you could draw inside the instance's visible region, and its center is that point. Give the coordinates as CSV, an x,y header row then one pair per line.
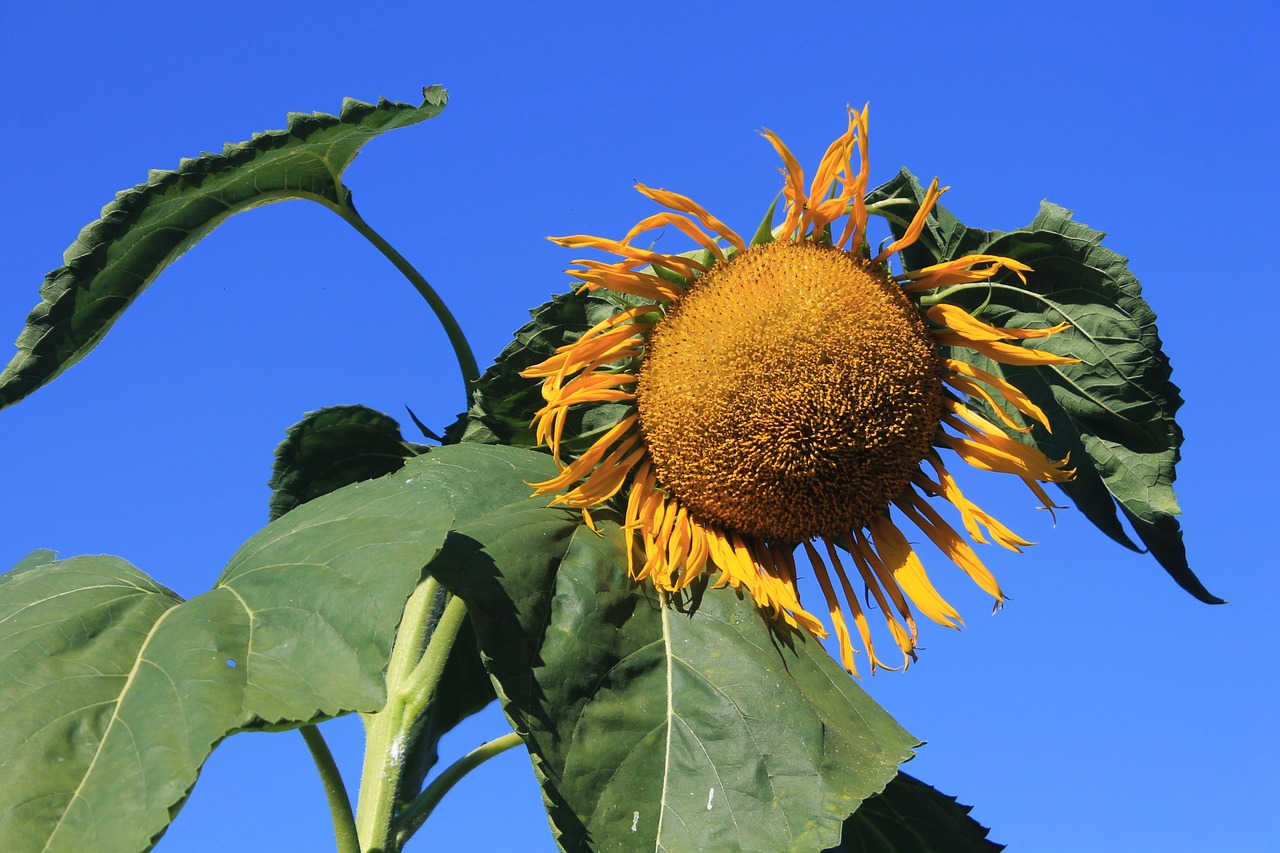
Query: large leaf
x,y
911,817
1114,412
334,447
113,690
651,726
148,227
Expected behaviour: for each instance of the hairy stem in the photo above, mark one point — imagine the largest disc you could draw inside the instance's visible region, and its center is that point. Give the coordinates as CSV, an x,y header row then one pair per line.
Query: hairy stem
x,y
461,349
416,813
387,732
413,676
344,823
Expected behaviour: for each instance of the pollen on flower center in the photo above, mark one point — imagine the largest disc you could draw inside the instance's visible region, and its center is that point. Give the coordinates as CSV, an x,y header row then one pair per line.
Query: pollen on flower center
x,y
791,393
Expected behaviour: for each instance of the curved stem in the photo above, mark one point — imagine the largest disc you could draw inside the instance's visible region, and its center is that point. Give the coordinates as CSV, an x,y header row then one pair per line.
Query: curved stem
x,y
461,349
880,208
420,809
344,822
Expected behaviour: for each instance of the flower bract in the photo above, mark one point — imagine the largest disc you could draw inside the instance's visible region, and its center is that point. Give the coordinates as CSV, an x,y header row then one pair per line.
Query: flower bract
x,y
793,393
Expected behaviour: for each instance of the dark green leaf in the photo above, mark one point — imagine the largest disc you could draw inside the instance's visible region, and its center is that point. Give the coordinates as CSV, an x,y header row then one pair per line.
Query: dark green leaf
x,y
503,401
113,691
1113,413
911,817
332,448
148,227
693,727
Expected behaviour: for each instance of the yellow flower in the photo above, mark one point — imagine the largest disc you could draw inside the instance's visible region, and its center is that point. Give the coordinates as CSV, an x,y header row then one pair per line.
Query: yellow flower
x,y
793,393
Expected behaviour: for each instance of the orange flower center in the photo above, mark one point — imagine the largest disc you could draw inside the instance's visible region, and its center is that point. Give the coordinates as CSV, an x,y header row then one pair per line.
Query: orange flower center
x,y
791,393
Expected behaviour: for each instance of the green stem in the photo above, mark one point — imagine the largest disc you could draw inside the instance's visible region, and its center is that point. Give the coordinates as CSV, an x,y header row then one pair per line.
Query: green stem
x,y
344,823
421,683
412,677
880,208
461,349
416,813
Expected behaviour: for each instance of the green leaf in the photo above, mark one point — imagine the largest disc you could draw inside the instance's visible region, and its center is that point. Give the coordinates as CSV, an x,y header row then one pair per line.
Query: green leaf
x,y
113,691
911,817
503,401
1114,412
334,447
699,726
148,227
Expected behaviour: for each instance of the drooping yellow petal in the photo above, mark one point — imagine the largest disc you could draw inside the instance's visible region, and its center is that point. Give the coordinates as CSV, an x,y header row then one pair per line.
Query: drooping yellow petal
x,y
992,450
960,271
863,558
793,187
948,541
581,467
912,233
901,560
834,610
675,201
681,266
973,516
683,223
1008,390
608,477
851,599
618,278
1004,353
962,329
968,326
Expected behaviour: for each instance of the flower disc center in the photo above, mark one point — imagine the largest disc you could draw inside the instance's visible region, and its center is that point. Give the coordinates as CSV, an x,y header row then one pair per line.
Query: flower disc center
x,y
791,393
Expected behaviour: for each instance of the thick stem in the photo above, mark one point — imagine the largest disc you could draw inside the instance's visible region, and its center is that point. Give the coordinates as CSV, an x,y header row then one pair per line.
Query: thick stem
x,y
461,349
412,678
416,813
344,823
387,731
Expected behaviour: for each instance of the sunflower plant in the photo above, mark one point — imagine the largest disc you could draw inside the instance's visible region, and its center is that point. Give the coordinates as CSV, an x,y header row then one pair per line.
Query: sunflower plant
x,y
609,541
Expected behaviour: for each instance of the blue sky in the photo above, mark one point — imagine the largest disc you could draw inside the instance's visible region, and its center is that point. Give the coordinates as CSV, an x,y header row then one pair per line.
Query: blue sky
x,y
1103,709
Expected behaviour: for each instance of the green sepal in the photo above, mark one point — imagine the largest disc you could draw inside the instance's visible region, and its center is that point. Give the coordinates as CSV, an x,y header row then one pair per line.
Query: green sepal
x,y
335,447
1113,412
148,227
909,816
764,234
698,256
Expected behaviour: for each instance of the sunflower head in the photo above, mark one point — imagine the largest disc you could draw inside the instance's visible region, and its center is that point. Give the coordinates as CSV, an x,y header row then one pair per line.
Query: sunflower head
x,y
793,393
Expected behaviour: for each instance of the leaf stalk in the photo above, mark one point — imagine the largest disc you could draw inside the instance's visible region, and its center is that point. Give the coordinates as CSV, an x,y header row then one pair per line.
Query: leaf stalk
x,y
417,812
344,822
457,339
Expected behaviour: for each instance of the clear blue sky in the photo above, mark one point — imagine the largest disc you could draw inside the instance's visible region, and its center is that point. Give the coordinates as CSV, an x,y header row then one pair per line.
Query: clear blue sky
x,y
1104,709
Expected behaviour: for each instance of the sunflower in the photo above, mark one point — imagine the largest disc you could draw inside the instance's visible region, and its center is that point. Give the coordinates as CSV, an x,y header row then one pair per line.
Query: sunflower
x,y
793,392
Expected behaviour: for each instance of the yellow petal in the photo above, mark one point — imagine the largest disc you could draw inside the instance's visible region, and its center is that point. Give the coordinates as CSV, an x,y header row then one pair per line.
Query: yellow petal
x,y
901,560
